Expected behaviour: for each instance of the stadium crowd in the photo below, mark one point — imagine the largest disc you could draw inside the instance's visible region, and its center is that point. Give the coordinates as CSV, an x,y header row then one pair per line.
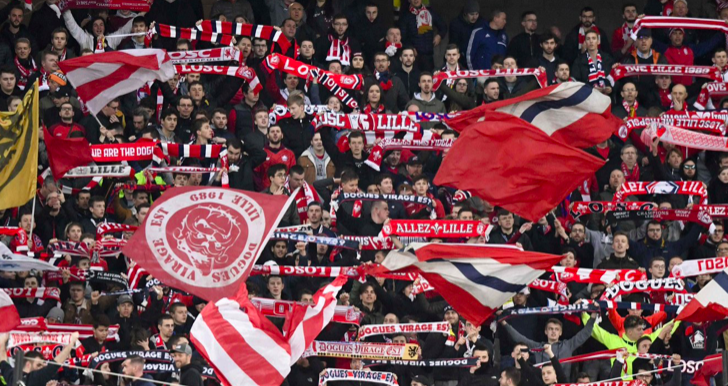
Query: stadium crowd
x,y
273,148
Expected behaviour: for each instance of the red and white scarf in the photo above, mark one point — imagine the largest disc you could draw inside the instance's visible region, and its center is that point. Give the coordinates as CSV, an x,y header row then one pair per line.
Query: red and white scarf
x,y
709,93
52,293
424,19
370,243
687,138
708,121
282,309
170,31
303,198
367,122
626,70
690,188
252,30
368,109
220,54
25,72
146,91
452,339
501,73
436,228
241,72
596,70
582,35
555,287
130,5
355,212
596,276
634,175
631,110
339,50
689,268
377,153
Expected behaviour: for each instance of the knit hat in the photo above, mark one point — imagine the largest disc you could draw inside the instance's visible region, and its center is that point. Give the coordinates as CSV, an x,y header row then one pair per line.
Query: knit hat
x,y
59,78
448,308
57,314
471,6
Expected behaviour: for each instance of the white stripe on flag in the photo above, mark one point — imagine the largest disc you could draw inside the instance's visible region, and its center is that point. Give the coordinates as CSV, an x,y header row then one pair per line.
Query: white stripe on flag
x,y
218,356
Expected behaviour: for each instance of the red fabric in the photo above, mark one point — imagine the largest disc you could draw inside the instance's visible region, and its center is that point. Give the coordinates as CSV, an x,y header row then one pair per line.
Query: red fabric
x,y
62,130
712,365
283,156
682,55
529,192
66,154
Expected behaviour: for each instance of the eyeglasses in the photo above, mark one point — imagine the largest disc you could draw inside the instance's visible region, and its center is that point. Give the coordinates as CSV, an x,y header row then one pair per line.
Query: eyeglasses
x,y
689,167
341,24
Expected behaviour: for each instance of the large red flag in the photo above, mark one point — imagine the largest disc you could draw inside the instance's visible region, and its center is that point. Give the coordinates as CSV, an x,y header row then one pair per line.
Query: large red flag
x,y
65,154
572,113
513,164
205,240
10,318
710,304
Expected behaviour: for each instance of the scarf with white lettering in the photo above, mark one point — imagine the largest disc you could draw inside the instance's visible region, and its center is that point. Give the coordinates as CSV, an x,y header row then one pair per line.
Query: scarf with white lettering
x,y
641,188
596,276
596,71
265,32
580,208
339,50
424,19
220,54
711,92
411,199
357,376
242,72
669,284
367,122
52,293
708,121
282,309
406,328
449,76
689,268
582,35
377,153
25,72
626,70
436,228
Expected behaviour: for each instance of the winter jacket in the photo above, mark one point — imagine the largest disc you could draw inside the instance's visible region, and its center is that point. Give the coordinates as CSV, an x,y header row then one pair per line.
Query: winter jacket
x,y
291,216
345,160
241,173
580,68
561,349
483,44
306,160
191,375
410,35
525,47
433,105
460,31
644,250
613,262
88,40
297,134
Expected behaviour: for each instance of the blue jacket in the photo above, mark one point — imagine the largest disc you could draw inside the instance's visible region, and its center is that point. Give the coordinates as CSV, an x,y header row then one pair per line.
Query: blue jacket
x,y
460,31
644,250
484,43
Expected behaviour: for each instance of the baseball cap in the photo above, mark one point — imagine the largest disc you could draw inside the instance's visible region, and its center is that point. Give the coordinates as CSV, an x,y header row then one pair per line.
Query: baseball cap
x,y
124,299
423,379
525,291
414,160
644,33
182,348
62,92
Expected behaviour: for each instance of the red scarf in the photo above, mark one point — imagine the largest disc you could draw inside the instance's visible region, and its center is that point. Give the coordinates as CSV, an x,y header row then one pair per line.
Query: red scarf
x,y
631,110
596,71
582,35
368,109
384,80
339,50
452,339
355,212
667,8
25,73
632,177
396,45
665,98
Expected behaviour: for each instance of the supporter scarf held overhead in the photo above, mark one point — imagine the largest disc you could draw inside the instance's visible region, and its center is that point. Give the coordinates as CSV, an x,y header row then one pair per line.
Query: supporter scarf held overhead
x,y
436,228
500,73
265,32
242,72
627,70
170,31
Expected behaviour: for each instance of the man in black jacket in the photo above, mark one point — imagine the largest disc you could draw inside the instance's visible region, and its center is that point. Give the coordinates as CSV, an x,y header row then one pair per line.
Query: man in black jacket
x,y
297,131
190,373
243,158
351,159
505,231
525,46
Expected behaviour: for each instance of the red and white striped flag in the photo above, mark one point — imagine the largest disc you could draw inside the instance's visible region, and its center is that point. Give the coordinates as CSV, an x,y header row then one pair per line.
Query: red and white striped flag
x,y
100,78
306,322
243,346
10,315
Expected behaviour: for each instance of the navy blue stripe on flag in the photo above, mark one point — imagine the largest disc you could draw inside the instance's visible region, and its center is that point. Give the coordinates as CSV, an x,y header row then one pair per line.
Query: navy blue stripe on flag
x,y
489,281
722,280
576,98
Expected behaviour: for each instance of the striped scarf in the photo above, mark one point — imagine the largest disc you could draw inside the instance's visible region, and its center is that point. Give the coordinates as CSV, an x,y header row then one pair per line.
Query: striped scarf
x,y
596,71
339,50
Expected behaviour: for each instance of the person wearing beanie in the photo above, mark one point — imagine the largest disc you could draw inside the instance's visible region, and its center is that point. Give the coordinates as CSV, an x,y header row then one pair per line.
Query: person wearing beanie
x,y
463,25
445,346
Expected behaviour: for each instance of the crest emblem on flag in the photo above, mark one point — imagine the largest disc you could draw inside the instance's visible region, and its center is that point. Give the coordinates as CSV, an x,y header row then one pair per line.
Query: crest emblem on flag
x,y
201,241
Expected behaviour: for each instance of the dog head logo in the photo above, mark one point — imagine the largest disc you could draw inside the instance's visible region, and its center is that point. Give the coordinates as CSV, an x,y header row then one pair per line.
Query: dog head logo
x,y
205,235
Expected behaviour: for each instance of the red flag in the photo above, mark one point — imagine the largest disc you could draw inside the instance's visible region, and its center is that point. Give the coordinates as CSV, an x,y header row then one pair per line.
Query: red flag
x,y
513,164
712,365
571,113
205,240
10,318
65,154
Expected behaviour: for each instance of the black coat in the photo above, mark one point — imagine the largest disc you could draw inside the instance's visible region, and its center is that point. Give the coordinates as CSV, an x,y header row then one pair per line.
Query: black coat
x,y
297,134
179,13
191,375
525,48
243,177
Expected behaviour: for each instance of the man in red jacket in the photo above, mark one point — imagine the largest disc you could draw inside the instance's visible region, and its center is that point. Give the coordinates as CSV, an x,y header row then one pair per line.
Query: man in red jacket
x,y
276,153
64,128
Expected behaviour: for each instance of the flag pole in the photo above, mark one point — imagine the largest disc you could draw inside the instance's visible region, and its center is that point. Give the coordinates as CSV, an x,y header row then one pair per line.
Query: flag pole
x,y
32,222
